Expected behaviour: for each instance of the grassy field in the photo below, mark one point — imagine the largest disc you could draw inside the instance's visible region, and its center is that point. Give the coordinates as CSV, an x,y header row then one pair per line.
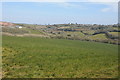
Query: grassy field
x,y
114,33
98,37
25,57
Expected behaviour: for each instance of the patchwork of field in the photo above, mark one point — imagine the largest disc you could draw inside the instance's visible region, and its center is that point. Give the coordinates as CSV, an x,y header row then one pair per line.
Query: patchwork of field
x,y
96,33
33,57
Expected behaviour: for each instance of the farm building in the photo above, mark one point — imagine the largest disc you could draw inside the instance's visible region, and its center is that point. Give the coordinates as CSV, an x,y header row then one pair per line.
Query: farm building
x,y
19,27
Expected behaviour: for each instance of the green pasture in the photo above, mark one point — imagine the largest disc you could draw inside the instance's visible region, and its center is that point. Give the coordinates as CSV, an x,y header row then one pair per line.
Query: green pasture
x,y
28,57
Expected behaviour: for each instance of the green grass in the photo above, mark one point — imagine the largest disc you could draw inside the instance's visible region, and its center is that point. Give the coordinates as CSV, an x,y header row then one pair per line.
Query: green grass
x,y
89,31
98,37
22,30
25,57
114,33
14,30
78,34
31,31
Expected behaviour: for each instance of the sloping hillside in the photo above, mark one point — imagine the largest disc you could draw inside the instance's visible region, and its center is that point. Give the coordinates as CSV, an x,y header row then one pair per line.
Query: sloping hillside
x,y
97,33
7,24
26,57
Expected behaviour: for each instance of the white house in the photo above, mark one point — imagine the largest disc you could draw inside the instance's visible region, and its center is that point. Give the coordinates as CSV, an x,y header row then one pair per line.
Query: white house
x,y
19,27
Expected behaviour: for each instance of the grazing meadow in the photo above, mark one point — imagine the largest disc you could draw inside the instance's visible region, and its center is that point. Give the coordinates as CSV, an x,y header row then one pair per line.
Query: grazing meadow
x,y
34,57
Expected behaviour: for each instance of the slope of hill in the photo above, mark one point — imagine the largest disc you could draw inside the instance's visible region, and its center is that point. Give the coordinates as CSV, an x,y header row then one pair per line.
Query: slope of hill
x,y
98,33
7,24
26,57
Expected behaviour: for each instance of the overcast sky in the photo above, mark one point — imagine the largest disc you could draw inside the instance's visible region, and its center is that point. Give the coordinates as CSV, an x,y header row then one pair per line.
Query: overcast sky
x,y
60,12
